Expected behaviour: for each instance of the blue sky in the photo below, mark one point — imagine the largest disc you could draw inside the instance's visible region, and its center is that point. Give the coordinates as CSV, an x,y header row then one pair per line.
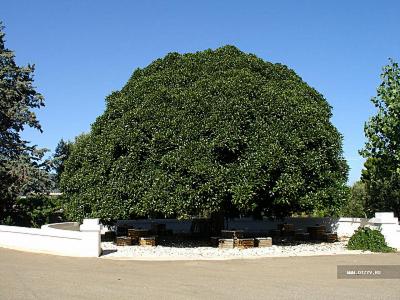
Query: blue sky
x,y
83,50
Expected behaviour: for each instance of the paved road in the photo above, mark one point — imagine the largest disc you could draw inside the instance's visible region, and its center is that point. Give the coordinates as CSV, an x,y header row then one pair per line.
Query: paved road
x,y
39,276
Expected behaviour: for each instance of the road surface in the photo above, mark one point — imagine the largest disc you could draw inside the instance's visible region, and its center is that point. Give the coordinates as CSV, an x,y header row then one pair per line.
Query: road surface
x,y
39,276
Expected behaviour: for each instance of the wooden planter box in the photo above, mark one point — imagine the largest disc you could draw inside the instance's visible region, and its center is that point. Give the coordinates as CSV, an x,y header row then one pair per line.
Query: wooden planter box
x,y
147,241
244,243
138,233
263,242
317,232
226,243
232,234
330,237
123,241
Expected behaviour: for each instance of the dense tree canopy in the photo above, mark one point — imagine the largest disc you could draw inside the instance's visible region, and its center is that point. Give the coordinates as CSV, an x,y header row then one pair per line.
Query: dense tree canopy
x,y
213,131
382,150
22,169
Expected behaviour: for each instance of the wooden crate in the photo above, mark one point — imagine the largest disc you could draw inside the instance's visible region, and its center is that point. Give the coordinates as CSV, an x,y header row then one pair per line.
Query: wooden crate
x,y
123,241
136,233
226,243
330,237
232,234
263,242
244,243
147,241
317,232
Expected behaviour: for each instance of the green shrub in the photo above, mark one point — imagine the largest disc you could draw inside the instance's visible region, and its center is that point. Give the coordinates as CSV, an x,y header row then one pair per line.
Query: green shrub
x,y
368,239
35,211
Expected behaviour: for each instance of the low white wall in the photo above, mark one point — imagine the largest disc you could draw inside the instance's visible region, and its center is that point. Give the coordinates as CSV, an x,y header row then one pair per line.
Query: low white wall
x,y
345,227
60,238
389,226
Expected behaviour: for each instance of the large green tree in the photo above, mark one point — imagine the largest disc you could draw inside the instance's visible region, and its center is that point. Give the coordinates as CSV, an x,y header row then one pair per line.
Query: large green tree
x,y
382,150
22,169
213,131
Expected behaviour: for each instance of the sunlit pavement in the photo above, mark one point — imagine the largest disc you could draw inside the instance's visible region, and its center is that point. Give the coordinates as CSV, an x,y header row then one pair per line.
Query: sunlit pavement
x,y
39,276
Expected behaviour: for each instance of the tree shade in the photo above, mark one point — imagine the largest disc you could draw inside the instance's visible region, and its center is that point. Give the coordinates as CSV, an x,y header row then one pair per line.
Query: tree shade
x,y
218,131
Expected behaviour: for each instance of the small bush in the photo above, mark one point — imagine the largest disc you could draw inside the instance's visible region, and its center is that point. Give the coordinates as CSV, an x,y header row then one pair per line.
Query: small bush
x,y
368,239
35,211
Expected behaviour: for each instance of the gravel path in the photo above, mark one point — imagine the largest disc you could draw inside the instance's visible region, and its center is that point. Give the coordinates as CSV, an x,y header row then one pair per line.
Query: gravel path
x,y
209,253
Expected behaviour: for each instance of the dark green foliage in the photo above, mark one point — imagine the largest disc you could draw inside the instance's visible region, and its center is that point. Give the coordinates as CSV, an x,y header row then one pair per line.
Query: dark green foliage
x,y
382,186
36,210
356,204
21,167
60,156
214,131
382,150
367,239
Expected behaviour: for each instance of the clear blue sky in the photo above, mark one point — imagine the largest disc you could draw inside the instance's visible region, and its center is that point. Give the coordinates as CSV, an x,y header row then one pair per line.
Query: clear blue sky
x,y
83,50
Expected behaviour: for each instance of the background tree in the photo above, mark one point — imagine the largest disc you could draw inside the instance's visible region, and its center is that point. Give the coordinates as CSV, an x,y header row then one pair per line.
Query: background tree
x,y
382,150
21,167
60,156
357,199
211,132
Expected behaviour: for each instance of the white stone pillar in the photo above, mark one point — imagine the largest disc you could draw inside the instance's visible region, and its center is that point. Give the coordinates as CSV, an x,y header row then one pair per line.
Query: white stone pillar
x,y
91,234
389,226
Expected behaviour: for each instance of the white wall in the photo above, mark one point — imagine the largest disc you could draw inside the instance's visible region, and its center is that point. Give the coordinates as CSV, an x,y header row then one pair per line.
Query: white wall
x,y
62,238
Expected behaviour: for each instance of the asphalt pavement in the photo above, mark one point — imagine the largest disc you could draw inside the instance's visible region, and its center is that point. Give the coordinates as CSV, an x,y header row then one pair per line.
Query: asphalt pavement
x,y
40,276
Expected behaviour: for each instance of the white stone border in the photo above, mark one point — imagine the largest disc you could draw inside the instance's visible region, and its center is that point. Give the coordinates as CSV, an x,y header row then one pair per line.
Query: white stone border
x,y
67,239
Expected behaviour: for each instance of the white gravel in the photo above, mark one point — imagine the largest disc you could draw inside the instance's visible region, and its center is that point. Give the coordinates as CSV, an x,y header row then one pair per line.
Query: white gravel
x,y
112,251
